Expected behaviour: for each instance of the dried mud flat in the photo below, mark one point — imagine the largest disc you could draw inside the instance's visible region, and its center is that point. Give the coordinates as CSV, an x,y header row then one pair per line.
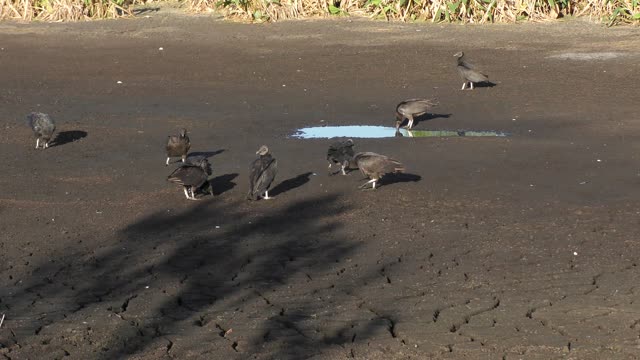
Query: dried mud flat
x,y
516,248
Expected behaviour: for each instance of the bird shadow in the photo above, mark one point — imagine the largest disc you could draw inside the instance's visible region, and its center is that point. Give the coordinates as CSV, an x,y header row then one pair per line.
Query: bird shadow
x,y
138,12
485,84
291,183
205,154
425,117
399,178
65,137
223,183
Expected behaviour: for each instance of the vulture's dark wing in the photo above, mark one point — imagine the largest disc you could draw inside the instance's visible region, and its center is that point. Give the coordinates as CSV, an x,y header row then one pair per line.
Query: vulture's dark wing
x,y
372,163
340,151
41,123
415,106
472,75
188,175
263,172
177,146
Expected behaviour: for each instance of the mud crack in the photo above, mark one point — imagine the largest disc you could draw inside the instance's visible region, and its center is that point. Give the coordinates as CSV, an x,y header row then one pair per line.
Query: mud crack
x,y
391,324
467,319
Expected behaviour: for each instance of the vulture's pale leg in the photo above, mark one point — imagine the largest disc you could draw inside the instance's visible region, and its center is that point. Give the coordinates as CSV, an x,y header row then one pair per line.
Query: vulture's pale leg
x,y
343,172
464,85
184,158
193,195
167,164
471,83
37,143
374,184
367,183
186,193
410,125
46,144
266,195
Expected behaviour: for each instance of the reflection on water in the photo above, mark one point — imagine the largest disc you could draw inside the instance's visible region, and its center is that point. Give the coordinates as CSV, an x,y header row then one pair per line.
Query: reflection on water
x,y
371,132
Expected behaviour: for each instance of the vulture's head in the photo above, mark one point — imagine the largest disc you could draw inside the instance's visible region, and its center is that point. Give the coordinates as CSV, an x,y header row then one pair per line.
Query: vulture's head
x,y
264,150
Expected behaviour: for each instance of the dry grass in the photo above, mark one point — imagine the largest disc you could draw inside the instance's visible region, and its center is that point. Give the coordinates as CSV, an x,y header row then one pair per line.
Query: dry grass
x,y
62,10
462,11
610,12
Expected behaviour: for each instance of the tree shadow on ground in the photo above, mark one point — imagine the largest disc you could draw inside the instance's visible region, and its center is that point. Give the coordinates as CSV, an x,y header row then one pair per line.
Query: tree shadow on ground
x,y
173,280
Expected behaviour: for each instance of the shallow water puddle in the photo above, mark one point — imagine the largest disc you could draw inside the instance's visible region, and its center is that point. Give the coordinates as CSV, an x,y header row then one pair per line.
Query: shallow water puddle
x,y
372,132
588,56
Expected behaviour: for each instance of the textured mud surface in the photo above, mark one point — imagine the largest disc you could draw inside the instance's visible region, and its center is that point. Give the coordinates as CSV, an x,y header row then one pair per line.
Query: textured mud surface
x,y
512,248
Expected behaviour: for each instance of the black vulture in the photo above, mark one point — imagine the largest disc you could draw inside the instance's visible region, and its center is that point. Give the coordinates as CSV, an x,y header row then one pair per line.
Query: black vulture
x,y
340,152
178,146
43,128
467,72
262,173
192,176
410,108
375,166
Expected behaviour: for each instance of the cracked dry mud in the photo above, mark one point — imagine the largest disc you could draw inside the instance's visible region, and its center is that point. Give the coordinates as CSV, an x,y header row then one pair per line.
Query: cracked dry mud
x,y
103,259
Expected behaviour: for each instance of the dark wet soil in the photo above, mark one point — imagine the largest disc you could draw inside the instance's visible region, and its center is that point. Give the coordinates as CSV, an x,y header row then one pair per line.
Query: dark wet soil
x,y
523,247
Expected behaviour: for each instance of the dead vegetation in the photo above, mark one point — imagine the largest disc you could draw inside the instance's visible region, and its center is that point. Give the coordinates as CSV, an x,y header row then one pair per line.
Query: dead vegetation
x,y
63,10
461,11
610,12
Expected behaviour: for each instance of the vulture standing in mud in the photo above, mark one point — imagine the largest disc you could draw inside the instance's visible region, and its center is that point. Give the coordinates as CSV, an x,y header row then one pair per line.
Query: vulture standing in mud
x,y
410,108
467,72
340,152
375,166
43,128
192,176
178,146
262,173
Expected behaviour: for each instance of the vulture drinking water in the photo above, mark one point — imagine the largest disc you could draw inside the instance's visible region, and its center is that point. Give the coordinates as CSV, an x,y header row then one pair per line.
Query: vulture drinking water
x,y
340,152
178,145
410,108
375,166
263,171
467,72
43,128
192,176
